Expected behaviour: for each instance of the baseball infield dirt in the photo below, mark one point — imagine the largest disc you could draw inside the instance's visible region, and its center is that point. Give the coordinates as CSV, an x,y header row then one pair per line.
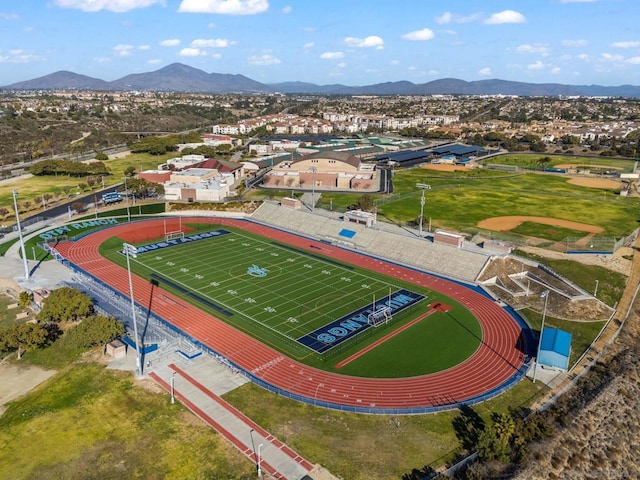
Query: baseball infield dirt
x,y
443,167
596,183
504,224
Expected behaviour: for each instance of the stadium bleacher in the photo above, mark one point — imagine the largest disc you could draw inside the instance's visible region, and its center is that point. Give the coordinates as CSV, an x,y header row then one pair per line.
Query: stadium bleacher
x,y
383,240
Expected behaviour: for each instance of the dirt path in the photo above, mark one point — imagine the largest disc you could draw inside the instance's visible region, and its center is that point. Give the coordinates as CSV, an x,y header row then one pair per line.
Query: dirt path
x,y
504,224
18,380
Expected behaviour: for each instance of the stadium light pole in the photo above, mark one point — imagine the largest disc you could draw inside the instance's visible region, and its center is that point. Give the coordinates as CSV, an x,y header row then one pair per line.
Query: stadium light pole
x,y
126,247
126,192
173,387
595,291
313,188
24,253
259,461
253,446
544,295
423,187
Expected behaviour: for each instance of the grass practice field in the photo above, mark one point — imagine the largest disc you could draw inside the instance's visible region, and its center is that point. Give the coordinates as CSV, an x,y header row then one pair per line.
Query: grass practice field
x,y
307,305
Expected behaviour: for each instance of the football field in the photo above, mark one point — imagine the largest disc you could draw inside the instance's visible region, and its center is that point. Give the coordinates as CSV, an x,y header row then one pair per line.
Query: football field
x,y
302,298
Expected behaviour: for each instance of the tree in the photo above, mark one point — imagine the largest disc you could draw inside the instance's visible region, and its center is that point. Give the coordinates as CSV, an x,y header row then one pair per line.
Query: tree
x,y
25,298
364,202
491,446
468,426
504,426
102,156
543,161
78,207
22,337
95,330
65,304
130,172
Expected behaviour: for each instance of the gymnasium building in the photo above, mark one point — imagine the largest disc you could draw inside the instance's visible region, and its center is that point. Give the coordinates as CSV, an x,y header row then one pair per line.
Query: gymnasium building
x,y
325,170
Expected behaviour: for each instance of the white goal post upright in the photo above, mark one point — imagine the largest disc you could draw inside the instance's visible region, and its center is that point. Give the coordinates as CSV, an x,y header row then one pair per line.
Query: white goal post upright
x,y
382,315
173,234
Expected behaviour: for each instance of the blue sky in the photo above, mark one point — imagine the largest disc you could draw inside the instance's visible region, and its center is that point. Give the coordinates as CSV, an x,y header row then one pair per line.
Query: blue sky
x,y
352,42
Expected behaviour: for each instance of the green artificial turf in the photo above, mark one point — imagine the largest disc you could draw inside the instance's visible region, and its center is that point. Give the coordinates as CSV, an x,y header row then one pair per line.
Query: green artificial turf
x,y
301,292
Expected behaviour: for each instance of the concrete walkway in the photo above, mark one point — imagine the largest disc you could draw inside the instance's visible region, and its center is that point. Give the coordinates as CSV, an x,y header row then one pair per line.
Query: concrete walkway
x,y
198,384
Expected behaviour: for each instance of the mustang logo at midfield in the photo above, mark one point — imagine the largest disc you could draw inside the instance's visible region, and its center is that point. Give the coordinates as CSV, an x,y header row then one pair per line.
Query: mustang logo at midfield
x,y
256,271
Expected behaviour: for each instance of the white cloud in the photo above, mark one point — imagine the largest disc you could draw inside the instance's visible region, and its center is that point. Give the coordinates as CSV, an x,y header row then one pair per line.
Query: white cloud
x,y
172,42
144,47
394,62
288,9
629,44
537,48
372,41
308,45
555,70
536,66
448,17
584,56
224,7
9,16
433,73
192,52
341,65
211,25
331,55
123,50
578,1
18,56
154,61
485,72
212,43
575,43
633,60
118,6
102,59
506,16
607,57
424,34
265,59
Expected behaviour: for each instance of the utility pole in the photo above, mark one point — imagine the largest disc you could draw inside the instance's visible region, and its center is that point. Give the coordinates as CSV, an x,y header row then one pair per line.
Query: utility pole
x,y
24,253
423,187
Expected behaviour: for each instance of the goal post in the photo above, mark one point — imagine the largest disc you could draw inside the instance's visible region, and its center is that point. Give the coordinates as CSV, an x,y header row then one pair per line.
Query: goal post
x,y
381,316
178,234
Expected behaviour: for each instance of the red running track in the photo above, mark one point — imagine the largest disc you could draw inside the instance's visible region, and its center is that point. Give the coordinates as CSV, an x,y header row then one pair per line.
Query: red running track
x,y
494,363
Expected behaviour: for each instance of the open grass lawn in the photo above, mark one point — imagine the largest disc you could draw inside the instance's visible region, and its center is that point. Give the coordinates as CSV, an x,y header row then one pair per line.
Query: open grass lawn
x,y
285,296
87,422
549,232
36,186
459,201
530,161
364,447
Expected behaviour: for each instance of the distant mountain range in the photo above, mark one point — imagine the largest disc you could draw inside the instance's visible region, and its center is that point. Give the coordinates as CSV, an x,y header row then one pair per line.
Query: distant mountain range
x,y
178,77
